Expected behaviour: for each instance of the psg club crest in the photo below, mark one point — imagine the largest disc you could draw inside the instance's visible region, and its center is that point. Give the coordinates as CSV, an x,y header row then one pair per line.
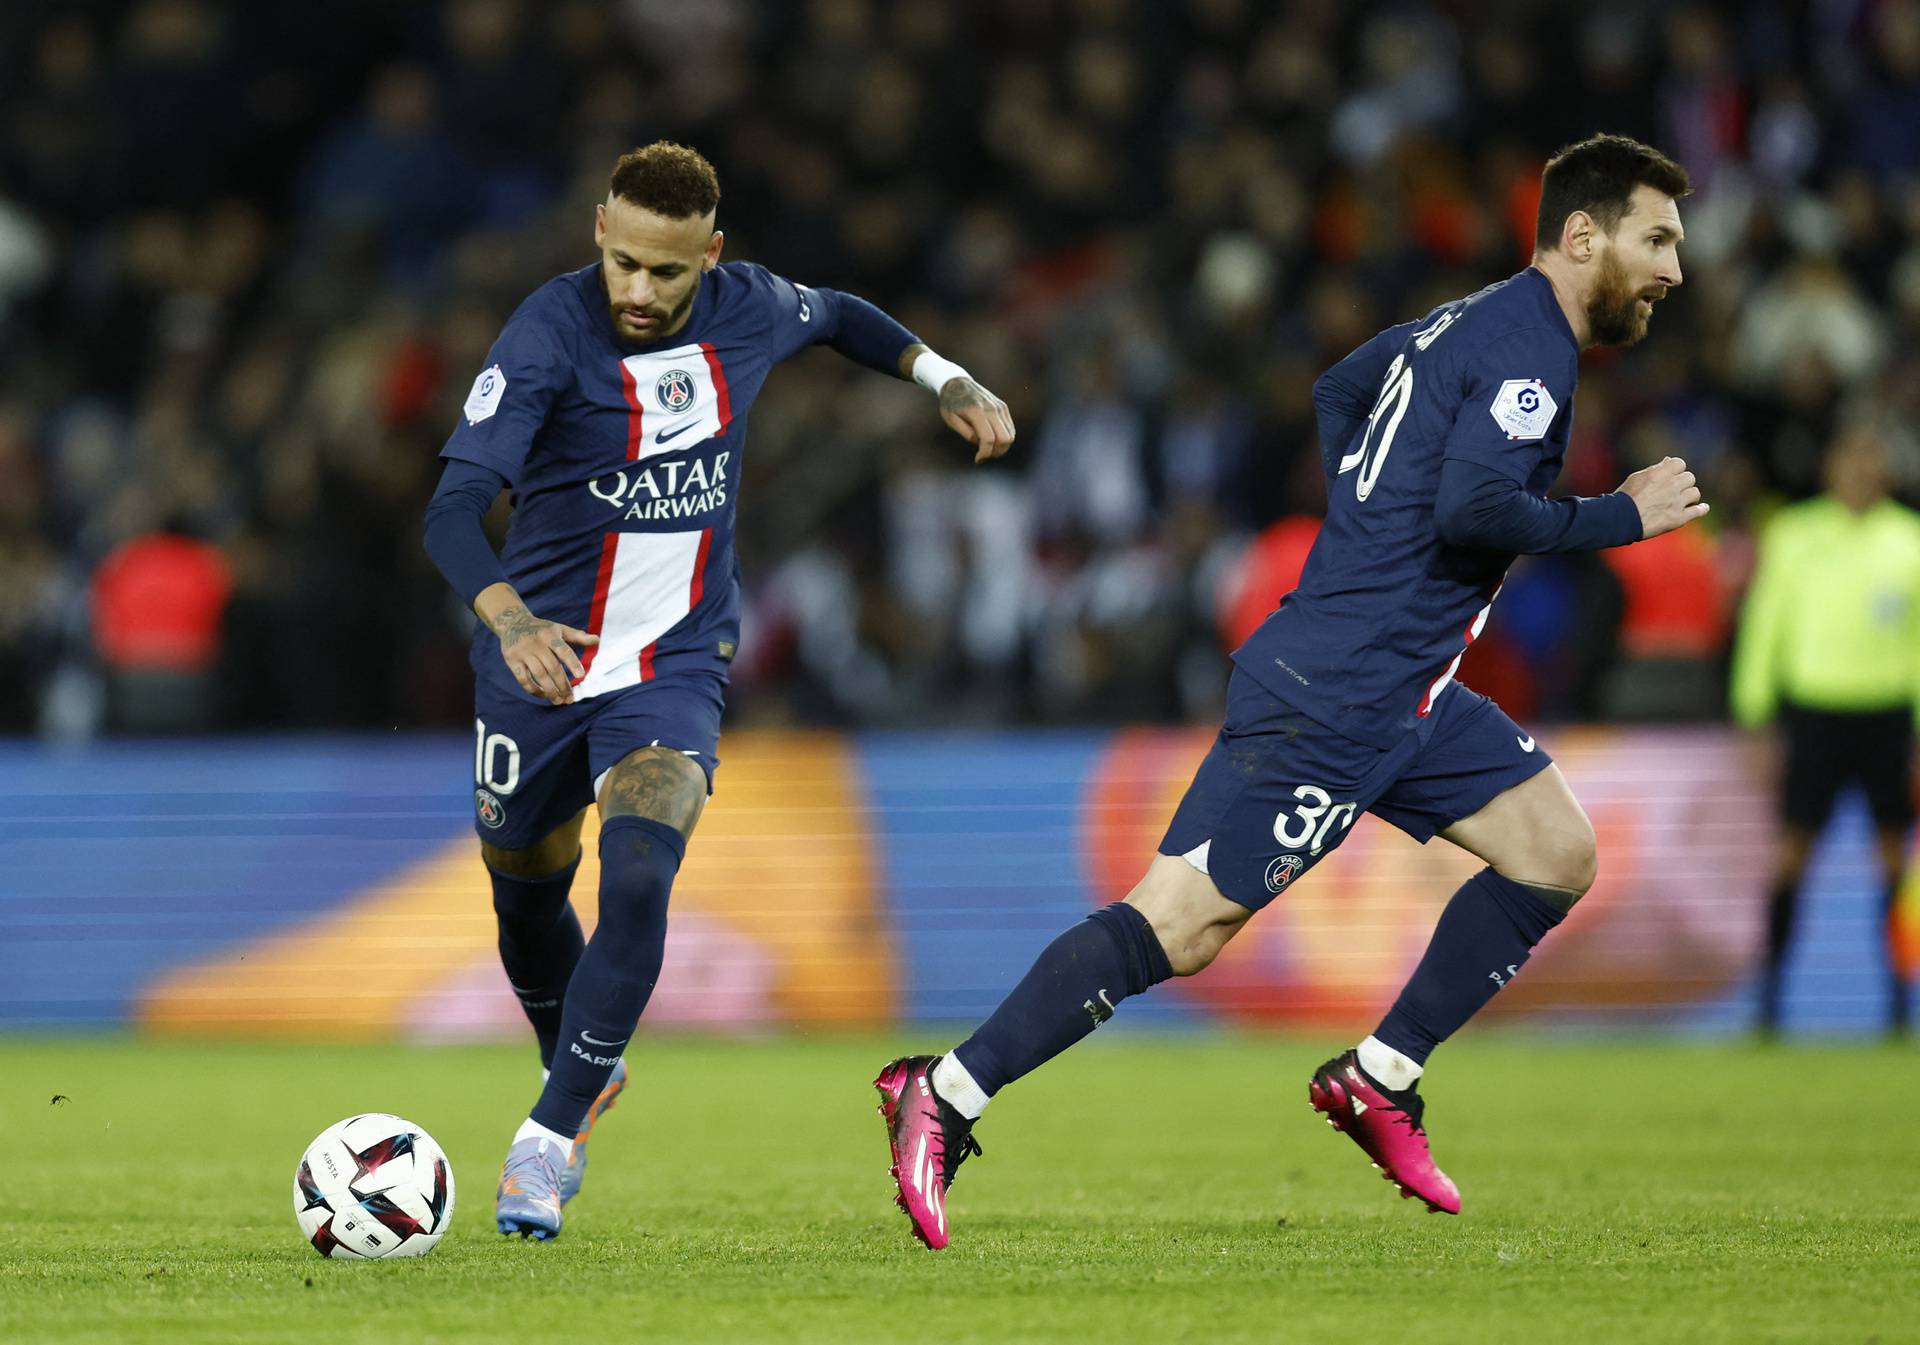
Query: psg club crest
x,y
674,391
490,810
1283,871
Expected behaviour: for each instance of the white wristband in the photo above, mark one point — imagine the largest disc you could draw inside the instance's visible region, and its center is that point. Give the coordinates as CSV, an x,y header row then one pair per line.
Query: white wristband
x,y
933,373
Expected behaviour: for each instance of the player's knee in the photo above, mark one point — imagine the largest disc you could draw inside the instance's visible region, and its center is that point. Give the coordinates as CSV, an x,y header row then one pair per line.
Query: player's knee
x,y
1190,919
1573,858
1558,856
1194,952
657,783
545,858
541,860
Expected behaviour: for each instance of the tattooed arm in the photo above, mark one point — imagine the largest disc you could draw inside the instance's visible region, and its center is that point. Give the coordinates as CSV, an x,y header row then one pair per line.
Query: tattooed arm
x,y
536,651
970,411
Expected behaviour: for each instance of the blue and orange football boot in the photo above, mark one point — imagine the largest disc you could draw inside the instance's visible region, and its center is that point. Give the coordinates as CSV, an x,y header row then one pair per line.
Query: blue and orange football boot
x,y
575,1171
528,1200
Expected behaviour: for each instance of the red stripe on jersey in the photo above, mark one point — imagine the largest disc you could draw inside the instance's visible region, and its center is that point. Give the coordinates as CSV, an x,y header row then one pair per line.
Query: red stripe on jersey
x,y
634,413
719,387
646,662
1474,627
699,569
1434,687
602,582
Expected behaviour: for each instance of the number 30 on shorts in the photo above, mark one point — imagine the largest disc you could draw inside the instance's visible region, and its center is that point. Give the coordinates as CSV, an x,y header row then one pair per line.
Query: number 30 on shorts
x,y
1313,820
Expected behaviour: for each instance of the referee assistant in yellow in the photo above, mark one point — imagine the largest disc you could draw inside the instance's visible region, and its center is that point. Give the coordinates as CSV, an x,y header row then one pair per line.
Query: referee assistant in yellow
x,y
1829,643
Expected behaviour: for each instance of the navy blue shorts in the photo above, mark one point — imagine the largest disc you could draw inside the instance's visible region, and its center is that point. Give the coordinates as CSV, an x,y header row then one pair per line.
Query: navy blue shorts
x,y
535,765
1279,791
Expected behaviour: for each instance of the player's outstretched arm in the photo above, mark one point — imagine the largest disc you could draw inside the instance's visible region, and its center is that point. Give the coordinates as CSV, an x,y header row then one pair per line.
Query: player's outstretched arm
x,y
970,411
867,336
536,651
1665,495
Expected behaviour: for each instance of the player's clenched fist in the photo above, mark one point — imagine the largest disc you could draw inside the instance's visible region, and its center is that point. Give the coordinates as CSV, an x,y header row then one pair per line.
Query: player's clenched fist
x,y
977,416
537,653
1666,496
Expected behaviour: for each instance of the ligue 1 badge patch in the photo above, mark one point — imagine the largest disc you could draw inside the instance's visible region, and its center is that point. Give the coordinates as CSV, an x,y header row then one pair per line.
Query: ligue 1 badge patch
x,y
1523,408
490,810
484,400
674,391
1283,871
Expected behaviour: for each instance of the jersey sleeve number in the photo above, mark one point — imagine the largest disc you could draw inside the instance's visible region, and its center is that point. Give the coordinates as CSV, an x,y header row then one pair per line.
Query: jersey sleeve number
x,y
1313,821
1396,392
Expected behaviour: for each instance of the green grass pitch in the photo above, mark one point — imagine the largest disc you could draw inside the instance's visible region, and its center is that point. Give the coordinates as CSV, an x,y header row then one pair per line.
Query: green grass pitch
x,y
1140,1189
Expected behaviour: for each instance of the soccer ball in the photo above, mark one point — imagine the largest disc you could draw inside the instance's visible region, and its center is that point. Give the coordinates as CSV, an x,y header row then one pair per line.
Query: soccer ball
x,y
373,1185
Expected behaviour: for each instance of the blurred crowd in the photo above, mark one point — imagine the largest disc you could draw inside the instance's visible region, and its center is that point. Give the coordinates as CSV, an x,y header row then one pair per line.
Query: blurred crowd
x,y
251,257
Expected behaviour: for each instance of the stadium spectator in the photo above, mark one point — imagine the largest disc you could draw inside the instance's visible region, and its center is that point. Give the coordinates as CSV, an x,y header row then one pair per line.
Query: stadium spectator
x,y
1152,224
158,601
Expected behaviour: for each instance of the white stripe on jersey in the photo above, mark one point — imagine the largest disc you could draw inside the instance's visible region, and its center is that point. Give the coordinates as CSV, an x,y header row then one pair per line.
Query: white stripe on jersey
x,y
674,392
650,590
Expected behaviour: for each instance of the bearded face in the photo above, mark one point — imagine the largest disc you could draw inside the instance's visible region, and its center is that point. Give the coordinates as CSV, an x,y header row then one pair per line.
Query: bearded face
x,y
1617,310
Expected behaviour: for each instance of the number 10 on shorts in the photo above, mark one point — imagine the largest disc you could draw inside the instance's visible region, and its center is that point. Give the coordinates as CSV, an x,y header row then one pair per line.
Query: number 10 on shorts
x,y
1313,820
496,760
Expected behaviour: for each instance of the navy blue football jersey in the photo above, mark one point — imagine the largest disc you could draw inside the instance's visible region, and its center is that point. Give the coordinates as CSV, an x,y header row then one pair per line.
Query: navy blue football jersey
x,y
625,461
1385,608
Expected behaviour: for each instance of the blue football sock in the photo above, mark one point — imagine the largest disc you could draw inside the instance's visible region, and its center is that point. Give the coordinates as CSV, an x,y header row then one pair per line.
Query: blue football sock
x,y
540,943
1069,991
1484,936
638,860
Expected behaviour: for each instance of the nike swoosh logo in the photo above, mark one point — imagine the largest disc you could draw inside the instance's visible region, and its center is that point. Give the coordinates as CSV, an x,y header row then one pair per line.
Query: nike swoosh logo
x,y
1526,743
589,1037
663,436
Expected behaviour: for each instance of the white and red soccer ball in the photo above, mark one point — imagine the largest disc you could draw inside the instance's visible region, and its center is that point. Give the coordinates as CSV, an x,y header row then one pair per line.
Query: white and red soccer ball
x,y
373,1185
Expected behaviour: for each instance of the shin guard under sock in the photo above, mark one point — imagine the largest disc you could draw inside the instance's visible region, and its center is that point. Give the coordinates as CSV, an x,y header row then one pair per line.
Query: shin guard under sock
x,y
540,943
1071,989
638,860
1484,937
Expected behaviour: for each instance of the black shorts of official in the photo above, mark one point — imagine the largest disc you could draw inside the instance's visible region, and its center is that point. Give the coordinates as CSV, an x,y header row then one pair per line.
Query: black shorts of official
x,y
1829,750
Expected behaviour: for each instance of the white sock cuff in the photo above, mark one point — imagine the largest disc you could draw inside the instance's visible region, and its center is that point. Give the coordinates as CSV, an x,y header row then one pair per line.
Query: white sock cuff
x,y
1387,1066
952,1082
531,1129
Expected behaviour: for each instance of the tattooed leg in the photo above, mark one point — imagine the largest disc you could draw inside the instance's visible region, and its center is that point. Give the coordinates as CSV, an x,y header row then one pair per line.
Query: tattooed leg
x,y
656,783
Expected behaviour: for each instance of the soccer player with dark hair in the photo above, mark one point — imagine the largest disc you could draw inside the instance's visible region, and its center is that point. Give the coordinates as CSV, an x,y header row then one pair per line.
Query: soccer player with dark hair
x,y
1440,439
614,407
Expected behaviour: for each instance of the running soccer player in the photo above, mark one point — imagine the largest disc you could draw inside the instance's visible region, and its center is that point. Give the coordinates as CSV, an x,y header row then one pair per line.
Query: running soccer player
x,y
1441,438
614,405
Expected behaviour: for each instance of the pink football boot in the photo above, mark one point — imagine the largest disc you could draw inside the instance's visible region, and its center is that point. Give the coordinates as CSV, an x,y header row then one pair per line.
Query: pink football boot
x,y
929,1141
1386,1125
